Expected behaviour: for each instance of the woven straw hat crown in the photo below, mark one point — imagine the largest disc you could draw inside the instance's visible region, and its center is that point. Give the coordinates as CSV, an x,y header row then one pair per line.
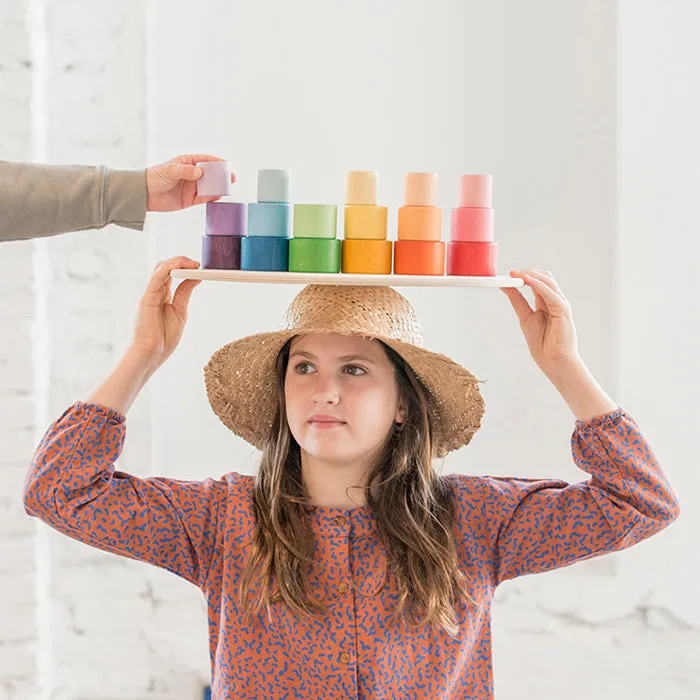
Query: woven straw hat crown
x,y
242,386
371,311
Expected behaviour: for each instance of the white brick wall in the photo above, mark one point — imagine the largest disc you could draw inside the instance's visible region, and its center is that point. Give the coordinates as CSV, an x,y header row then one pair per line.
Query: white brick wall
x,y
18,631
101,609
101,627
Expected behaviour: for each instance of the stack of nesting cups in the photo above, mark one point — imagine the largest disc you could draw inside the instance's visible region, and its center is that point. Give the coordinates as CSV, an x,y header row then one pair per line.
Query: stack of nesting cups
x,y
419,249
471,250
366,249
267,245
225,221
224,228
314,246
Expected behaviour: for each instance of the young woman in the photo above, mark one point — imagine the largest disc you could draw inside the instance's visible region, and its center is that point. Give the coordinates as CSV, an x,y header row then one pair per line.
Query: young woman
x,y
347,567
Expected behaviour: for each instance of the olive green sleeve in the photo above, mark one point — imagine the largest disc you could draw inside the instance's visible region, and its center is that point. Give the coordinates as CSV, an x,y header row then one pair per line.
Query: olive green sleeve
x,y
45,200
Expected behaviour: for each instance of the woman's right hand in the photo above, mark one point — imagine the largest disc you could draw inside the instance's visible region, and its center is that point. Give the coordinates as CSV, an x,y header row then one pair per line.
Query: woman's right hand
x,y
162,315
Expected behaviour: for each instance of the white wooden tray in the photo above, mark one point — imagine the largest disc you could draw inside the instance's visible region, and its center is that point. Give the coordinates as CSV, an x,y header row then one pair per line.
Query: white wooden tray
x,y
347,279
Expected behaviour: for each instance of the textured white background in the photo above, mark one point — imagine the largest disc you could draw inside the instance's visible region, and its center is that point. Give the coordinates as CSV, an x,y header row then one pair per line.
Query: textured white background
x,y
585,112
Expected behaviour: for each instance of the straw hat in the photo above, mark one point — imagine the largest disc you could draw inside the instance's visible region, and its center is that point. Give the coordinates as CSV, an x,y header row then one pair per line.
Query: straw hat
x,y
240,377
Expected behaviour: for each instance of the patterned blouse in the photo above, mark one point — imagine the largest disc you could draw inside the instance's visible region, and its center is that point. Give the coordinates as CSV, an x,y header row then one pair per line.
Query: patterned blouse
x,y
199,530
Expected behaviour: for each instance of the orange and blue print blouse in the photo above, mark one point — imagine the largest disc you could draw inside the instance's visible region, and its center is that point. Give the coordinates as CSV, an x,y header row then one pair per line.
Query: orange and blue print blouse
x,y
201,530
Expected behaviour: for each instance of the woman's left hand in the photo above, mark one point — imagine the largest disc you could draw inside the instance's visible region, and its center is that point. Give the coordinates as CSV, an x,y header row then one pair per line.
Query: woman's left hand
x,y
548,328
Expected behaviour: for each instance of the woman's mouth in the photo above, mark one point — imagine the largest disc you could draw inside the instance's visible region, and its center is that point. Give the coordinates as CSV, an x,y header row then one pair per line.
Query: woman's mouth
x,y
325,422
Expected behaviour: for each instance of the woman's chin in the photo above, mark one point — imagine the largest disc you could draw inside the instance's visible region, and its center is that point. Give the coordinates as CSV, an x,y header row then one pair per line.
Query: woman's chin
x,y
330,449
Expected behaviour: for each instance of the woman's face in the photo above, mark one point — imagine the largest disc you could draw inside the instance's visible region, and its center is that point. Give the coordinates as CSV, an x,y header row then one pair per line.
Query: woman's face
x,y
342,396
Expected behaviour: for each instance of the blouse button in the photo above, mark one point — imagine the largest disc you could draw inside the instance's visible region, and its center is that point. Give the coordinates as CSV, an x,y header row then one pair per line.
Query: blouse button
x,y
345,658
343,587
341,520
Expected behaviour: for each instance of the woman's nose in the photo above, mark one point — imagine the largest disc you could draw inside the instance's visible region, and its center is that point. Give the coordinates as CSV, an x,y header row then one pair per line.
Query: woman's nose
x,y
325,390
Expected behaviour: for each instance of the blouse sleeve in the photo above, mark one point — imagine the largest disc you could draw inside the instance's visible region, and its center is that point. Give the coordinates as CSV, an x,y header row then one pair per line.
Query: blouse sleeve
x,y
72,486
532,525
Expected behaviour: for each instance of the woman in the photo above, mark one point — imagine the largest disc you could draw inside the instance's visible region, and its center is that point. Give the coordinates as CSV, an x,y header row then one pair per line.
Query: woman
x,y
347,567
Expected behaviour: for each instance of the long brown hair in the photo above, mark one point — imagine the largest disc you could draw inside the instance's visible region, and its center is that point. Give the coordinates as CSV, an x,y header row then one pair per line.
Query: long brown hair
x,y
414,511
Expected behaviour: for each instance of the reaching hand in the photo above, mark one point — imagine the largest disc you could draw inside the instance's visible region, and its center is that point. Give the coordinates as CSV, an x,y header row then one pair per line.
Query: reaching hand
x,y
162,315
548,328
172,186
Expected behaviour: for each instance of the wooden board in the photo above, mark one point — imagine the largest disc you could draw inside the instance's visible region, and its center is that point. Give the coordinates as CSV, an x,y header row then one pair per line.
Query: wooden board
x,y
347,279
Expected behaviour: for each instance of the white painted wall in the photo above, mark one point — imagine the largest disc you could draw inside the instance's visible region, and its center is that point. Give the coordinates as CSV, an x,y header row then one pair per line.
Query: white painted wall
x,y
659,292
584,112
18,601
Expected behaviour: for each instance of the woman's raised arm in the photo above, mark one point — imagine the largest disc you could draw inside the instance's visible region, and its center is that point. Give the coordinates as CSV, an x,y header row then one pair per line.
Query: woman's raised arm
x,y
73,486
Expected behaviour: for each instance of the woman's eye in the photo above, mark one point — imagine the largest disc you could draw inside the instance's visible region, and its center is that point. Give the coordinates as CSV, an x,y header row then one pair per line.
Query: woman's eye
x,y
354,370
302,368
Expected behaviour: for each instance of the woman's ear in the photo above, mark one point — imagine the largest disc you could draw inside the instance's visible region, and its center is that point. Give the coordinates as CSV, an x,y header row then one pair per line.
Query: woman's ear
x,y
400,416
